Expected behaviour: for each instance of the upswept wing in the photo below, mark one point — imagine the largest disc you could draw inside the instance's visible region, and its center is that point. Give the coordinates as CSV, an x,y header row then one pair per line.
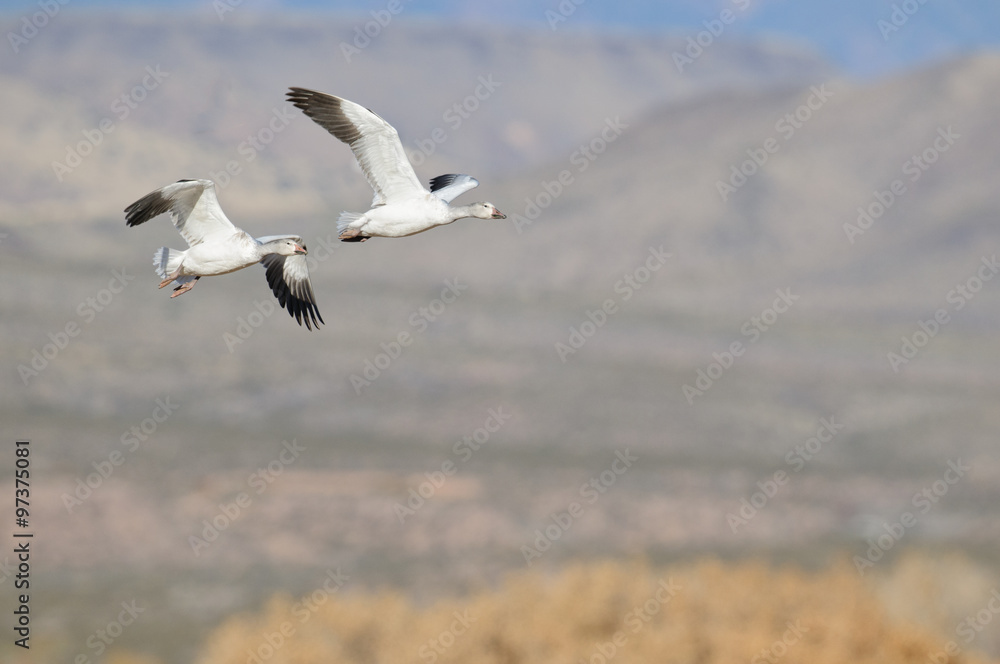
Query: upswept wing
x,y
193,208
374,141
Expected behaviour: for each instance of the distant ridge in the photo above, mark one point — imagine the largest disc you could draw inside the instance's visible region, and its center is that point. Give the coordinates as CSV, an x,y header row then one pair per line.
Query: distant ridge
x,y
221,83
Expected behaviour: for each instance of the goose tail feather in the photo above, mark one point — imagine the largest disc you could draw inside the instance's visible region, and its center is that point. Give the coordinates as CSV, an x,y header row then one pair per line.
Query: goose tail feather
x,y
347,220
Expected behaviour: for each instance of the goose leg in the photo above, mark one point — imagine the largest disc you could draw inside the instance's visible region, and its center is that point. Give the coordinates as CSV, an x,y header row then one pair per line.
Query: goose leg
x,y
170,277
352,235
180,290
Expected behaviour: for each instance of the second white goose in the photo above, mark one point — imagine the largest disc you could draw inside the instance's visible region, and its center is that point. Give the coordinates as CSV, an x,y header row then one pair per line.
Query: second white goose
x,y
216,246
401,206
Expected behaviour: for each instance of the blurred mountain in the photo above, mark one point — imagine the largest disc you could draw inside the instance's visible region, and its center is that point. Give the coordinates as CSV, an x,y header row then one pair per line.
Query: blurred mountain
x,y
520,95
864,38
678,176
655,219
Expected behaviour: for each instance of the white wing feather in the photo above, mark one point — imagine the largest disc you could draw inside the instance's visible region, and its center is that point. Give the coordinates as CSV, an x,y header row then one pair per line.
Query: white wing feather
x,y
451,186
374,141
193,208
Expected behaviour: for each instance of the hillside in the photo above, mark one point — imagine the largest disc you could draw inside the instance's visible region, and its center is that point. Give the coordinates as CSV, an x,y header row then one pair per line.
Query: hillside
x,y
219,82
640,224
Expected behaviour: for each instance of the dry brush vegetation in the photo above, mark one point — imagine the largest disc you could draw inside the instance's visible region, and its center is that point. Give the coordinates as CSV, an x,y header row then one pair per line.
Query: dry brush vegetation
x,y
708,612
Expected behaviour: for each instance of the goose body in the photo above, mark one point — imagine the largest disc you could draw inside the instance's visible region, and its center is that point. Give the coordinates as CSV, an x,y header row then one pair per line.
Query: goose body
x,y
401,205
209,259
216,246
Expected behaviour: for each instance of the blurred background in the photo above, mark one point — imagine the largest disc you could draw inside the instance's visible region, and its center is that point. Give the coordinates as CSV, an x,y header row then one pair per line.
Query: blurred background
x,y
738,331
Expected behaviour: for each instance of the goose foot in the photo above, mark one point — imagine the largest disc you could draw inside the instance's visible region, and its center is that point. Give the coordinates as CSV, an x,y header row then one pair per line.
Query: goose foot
x,y
180,290
170,277
352,235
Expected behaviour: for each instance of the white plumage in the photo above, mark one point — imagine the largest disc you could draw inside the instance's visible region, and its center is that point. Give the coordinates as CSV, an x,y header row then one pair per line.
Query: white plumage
x,y
216,246
401,205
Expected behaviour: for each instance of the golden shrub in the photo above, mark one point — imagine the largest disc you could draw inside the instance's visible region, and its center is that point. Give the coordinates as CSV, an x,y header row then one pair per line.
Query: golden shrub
x,y
707,612
129,657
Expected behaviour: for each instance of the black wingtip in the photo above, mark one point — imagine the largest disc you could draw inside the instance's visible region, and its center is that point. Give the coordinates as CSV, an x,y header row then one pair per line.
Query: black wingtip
x,y
326,111
303,312
146,208
442,181
300,96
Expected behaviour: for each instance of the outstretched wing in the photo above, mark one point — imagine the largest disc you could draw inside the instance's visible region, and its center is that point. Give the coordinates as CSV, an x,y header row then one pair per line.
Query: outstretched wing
x,y
288,277
193,208
374,141
451,186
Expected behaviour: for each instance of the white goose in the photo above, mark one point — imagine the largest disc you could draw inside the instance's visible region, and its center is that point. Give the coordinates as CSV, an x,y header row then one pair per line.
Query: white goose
x,y
401,206
216,246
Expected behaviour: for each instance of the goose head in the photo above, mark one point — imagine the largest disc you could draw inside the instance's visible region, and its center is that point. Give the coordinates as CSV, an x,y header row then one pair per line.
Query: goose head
x,y
286,247
486,211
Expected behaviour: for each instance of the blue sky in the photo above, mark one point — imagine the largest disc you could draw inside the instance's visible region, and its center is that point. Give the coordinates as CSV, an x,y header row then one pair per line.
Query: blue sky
x,y
846,32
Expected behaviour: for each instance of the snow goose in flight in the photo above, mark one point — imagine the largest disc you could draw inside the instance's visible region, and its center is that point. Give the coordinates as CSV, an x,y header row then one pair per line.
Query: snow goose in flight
x,y
216,246
401,206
